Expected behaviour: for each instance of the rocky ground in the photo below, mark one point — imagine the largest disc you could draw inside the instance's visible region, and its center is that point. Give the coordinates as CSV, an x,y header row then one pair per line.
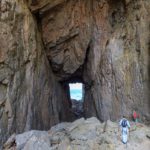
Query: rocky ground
x,y
77,108
89,134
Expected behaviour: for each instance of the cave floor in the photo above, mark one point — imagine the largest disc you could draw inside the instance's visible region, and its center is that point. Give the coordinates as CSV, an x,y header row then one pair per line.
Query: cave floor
x,y
82,134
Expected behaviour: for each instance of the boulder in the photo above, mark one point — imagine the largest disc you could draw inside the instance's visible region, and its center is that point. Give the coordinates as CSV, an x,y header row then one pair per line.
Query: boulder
x,y
32,140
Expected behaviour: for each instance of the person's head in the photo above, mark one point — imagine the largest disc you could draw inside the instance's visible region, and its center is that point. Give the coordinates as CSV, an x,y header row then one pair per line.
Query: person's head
x,y
124,116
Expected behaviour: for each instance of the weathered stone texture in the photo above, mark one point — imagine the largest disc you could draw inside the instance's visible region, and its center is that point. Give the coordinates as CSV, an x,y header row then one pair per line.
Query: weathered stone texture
x,y
89,134
108,42
66,31
105,44
30,97
120,78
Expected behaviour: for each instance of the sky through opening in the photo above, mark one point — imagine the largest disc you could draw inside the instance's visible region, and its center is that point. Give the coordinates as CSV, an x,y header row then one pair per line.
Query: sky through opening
x,y
76,91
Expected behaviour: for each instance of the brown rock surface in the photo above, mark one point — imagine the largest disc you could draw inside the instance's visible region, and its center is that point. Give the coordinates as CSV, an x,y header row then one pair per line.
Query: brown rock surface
x,y
30,97
66,31
118,62
104,44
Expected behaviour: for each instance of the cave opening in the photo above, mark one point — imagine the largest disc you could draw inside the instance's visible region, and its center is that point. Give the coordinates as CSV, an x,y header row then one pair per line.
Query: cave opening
x,y
76,94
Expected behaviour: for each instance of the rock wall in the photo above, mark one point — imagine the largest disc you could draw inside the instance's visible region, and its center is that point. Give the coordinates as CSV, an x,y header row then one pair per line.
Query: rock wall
x,y
103,43
66,30
117,69
30,97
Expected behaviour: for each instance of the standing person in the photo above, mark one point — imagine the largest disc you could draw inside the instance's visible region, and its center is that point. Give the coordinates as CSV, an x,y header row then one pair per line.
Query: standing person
x,y
135,116
125,126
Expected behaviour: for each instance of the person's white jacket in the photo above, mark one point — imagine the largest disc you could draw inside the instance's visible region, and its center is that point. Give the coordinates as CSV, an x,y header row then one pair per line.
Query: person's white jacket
x,y
124,130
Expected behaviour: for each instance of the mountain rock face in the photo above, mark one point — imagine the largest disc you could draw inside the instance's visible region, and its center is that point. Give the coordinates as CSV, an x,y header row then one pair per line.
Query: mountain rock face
x,y
45,44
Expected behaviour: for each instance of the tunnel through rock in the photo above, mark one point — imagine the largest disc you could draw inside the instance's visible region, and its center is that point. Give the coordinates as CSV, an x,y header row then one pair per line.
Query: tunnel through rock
x,y
76,91
74,88
90,41
45,44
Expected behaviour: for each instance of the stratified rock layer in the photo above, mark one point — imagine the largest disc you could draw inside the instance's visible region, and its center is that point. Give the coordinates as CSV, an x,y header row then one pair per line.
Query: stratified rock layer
x,y
105,44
